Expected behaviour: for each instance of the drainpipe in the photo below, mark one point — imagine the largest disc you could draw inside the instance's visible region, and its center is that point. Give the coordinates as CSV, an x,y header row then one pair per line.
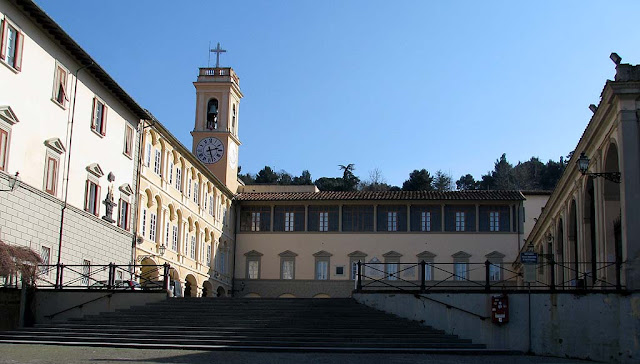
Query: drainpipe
x,y
68,167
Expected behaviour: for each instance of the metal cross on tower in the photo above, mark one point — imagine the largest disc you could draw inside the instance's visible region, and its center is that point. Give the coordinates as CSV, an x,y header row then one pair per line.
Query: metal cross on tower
x,y
217,50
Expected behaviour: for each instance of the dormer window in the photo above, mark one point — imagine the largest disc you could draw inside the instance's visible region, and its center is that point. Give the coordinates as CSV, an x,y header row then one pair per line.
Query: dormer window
x,y
212,114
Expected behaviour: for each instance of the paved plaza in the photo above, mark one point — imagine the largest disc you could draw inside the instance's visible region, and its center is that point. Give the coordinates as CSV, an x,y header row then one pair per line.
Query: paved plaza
x,y
44,354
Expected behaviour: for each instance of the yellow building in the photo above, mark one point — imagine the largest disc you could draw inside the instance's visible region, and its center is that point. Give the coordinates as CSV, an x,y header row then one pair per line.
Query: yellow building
x,y
185,215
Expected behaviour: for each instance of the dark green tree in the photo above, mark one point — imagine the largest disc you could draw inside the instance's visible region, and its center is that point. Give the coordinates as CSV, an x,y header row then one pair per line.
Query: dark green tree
x,y
284,178
467,182
330,184
419,180
442,181
266,176
304,179
350,181
502,174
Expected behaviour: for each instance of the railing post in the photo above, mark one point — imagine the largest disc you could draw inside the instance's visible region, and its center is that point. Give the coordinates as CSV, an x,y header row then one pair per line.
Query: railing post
x,y
166,276
423,286
552,272
112,273
487,275
61,276
618,275
359,278
57,276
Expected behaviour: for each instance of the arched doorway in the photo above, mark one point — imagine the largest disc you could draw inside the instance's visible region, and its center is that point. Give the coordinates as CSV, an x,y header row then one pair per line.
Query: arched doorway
x,y
174,285
220,292
207,289
190,286
591,253
149,274
560,252
612,215
573,244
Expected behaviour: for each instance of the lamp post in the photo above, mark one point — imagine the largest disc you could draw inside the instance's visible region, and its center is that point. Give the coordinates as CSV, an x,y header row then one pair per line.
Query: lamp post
x,y
583,166
14,182
161,250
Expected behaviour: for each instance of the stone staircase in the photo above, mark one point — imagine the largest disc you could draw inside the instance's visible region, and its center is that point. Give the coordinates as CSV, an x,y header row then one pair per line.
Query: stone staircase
x,y
249,324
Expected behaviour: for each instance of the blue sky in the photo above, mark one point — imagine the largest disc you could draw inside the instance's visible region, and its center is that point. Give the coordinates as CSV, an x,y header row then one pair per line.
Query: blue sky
x,y
398,86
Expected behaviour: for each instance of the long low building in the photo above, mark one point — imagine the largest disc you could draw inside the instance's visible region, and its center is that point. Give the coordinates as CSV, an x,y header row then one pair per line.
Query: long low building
x,y
308,244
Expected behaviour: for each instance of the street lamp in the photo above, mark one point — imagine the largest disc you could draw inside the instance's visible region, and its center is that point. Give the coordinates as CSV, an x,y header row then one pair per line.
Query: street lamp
x,y
583,166
14,182
161,250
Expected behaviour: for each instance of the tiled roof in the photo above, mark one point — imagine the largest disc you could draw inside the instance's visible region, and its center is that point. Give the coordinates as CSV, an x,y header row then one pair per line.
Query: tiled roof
x,y
385,195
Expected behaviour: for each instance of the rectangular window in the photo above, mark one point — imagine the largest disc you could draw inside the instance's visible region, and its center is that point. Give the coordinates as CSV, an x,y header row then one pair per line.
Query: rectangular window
x,y
92,198
143,223
174,241
45,255
189,189
324,221
208,255
152,227
123,214
51,175
322,218
196,190
11,45
495,272
428,272
289,221
205,199
192,251
179,179
287,269
211,205
494,221
392,221
460,270
425,221
255,221
128,141
157,162
147,156
60,86
459,221
254,269
322,270
99,117
4,148
170,173
392,271
357,218
166,235
86,272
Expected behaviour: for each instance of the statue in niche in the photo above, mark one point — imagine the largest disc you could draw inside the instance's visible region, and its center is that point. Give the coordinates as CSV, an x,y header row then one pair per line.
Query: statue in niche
x,y
108,200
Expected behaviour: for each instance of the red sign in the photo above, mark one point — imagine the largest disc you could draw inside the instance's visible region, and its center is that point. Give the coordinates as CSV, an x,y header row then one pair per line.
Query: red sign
x,y
500,309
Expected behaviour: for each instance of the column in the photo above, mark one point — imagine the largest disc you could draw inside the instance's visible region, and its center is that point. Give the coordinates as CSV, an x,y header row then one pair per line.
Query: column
x,y
375,218
408,217
340,217
306,218
477,217
272,218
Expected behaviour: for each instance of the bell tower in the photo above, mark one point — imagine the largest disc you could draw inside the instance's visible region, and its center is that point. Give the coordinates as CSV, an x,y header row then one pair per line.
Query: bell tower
x,y
215,134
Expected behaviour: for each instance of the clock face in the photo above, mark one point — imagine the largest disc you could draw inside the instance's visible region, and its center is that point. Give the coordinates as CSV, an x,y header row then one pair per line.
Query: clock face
x,y
210,150
233,155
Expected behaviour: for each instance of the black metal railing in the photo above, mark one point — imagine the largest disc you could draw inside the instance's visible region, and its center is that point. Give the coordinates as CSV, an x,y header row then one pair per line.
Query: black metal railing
x,y
488,276
110,276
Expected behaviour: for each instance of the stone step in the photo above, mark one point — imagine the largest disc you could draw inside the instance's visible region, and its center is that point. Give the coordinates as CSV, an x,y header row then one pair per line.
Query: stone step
x,y
246,342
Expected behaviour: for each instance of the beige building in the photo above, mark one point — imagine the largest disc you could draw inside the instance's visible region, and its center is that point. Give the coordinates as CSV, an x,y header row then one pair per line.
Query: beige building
x,y
590,223
69,132
307,244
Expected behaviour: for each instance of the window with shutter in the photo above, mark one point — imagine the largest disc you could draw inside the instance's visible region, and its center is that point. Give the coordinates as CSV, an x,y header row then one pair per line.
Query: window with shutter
x,y
51,175
92,197
4,148
60,86
99,117
11,45
128,141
